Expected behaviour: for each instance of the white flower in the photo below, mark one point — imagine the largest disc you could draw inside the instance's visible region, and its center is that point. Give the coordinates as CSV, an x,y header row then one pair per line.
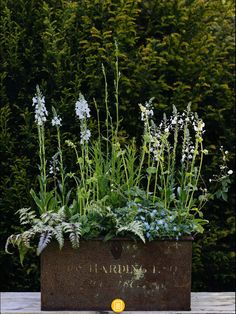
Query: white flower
x,y
226,152
40,109
230,172
56,121
174,120
142,116
183,157
166,130
81,108
146,111
150,113
199,126
53,169
85,136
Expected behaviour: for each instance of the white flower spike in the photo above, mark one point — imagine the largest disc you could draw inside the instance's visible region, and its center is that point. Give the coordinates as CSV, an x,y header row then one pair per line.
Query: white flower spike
x,y
56,121
85,136
82,110
200,126
40,108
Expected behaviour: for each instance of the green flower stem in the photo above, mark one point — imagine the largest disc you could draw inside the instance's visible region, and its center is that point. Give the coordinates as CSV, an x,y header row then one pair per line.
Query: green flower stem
x,y
174,155
164,184
126,174
99,126
61,166
40,151
160,160
88,171
80,201
98,166
183,177
198,176
156,179
130,161
149,181
42,157
162,176
107,111
117,89
80,167
168,178
144,148
192,169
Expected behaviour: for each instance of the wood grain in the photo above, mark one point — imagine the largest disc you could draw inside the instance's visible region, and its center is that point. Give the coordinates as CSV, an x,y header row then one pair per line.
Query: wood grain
x,y
202,303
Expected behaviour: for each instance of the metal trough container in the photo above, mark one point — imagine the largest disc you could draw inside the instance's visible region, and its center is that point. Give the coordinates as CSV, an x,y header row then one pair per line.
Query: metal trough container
x,y
147,277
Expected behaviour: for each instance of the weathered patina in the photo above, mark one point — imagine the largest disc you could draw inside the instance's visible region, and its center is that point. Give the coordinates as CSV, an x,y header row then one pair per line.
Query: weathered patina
x,y
151,276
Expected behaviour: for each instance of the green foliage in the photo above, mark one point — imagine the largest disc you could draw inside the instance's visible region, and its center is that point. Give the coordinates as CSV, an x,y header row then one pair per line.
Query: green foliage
x,y
171,162
48,225
176,51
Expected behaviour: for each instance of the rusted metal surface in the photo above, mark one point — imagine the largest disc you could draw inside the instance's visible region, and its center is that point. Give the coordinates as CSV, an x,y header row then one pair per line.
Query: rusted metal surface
x,y
151,276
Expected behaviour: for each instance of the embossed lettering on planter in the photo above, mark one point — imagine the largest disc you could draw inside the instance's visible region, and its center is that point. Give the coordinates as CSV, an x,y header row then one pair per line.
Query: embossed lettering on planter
x,y
152,276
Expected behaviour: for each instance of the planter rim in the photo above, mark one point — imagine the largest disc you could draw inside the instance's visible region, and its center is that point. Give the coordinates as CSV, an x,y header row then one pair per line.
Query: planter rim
x,y
188,238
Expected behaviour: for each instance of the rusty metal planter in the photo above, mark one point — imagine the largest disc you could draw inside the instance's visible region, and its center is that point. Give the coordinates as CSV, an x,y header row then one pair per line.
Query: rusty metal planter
x,y
151,276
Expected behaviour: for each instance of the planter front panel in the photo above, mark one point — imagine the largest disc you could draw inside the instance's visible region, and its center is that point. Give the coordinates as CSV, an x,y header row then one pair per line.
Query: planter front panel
x,y
152,276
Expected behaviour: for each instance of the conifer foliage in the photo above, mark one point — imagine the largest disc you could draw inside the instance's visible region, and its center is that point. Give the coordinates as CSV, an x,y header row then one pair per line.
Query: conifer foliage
x,y
175,51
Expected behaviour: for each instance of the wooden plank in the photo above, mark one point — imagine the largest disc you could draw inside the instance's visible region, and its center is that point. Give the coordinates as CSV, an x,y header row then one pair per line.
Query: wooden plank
x,y
202,303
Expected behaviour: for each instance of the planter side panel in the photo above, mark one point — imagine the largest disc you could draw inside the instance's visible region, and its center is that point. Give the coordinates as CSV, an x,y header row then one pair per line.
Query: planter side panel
x,y
154,276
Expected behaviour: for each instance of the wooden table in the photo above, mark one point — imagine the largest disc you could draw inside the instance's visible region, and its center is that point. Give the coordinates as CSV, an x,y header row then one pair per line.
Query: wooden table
x,y
202,302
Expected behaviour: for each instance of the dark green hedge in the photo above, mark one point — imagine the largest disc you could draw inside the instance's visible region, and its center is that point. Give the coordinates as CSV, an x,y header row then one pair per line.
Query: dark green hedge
x,y
176,51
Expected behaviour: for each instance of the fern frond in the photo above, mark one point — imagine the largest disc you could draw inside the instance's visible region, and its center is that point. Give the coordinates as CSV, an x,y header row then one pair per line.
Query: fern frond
x,y
13,240
27,216
27,236
19,241
51,218
134,227
74,231
61,213
58,234
44,240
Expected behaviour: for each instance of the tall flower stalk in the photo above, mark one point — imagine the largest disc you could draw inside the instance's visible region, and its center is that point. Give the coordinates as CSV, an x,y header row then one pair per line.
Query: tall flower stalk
x,y
107,113
56,122
41,114
169,183
82,111
116,84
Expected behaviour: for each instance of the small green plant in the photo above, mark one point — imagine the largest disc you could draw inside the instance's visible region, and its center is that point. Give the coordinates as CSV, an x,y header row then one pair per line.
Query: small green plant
x,y
147,192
